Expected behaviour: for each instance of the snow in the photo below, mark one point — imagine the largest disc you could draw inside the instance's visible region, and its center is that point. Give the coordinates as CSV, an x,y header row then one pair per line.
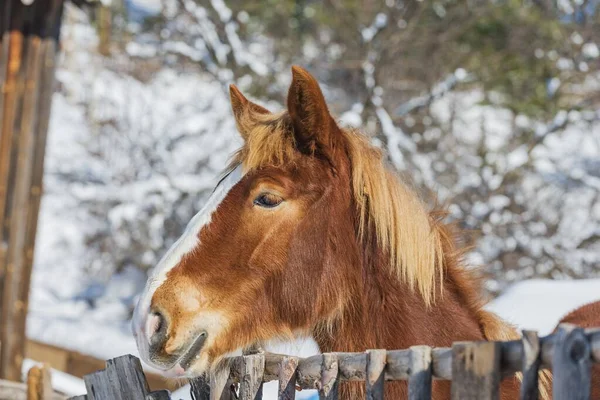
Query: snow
x,y
539,304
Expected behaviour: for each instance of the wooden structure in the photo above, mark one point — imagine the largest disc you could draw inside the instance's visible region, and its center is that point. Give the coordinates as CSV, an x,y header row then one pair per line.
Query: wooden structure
x,y
475,369
38,387
28,46
78,365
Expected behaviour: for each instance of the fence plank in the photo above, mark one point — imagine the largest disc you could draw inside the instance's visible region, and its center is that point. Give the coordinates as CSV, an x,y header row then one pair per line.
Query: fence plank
x,y
122,379
159,395
251,370
39,386
287,378
475,370
330,373
531,363
200,388
376,360
571,364
419,381
221,386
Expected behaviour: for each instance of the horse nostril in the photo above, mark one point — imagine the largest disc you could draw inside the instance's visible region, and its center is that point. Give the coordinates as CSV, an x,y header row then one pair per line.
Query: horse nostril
x,y
157,328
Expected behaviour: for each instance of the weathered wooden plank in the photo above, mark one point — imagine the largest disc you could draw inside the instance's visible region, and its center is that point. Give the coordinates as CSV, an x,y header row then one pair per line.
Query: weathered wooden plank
x,y
221,386
200,388
330,373
442,363
376,360
531,363
4,42
39,386
475,370
15,306
572,364
594,337
419,381
98,386
287,378
159,395
19,69
251,371
122,379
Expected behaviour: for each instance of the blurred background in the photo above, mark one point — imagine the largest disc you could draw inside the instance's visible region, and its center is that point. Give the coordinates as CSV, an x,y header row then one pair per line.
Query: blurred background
x,y
493,106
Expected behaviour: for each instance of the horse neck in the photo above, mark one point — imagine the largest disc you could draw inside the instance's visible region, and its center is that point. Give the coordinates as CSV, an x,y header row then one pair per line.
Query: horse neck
x,y
383,312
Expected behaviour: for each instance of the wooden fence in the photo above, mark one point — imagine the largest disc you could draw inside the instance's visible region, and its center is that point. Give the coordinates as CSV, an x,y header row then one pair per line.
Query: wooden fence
x,y
475,369
28,46
37,387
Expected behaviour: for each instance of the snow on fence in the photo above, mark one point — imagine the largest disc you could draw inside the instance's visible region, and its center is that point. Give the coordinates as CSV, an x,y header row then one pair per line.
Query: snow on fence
x,y
475,369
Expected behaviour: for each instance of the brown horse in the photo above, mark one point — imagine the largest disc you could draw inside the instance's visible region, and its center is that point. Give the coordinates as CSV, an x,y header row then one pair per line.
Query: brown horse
x,y
309,234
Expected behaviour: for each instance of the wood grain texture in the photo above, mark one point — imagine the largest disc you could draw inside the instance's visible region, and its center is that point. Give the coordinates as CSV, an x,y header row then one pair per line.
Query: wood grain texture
x,y
530,365
572,364
375,380
476,371
420,376
287,378
39,385
330,377
251,372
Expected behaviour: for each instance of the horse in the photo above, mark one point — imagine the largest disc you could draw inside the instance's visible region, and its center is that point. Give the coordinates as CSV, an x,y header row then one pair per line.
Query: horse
x,y
310,234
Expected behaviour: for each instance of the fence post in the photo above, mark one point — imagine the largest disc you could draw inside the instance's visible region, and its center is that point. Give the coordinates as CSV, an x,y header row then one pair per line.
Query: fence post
x,y
123,379
287,378
330,373
419,381
571,364
376,361
531,364
159,395
39,386
27,51
200,388
252,369
475,370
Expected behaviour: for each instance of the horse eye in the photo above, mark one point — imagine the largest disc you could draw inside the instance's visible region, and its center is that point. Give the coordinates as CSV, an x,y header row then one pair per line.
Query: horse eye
x,y
267,200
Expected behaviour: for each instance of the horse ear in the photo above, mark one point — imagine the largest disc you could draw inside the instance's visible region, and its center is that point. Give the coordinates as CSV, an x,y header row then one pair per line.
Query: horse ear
x,y
244,110
307,108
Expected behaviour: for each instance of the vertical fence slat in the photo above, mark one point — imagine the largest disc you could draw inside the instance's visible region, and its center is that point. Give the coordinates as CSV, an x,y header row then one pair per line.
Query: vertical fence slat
x,y
287,378
98,386
571,364
159,395
475,370
39,385
531,364
200,388
123,379
11,171
330,374
376,360
419,381
252,369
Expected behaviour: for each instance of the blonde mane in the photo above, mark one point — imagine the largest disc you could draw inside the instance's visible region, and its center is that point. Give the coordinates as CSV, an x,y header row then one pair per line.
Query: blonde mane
x,y
400,220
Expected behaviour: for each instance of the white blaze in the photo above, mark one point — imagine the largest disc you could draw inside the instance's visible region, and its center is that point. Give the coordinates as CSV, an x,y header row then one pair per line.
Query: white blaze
x,y
185,244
